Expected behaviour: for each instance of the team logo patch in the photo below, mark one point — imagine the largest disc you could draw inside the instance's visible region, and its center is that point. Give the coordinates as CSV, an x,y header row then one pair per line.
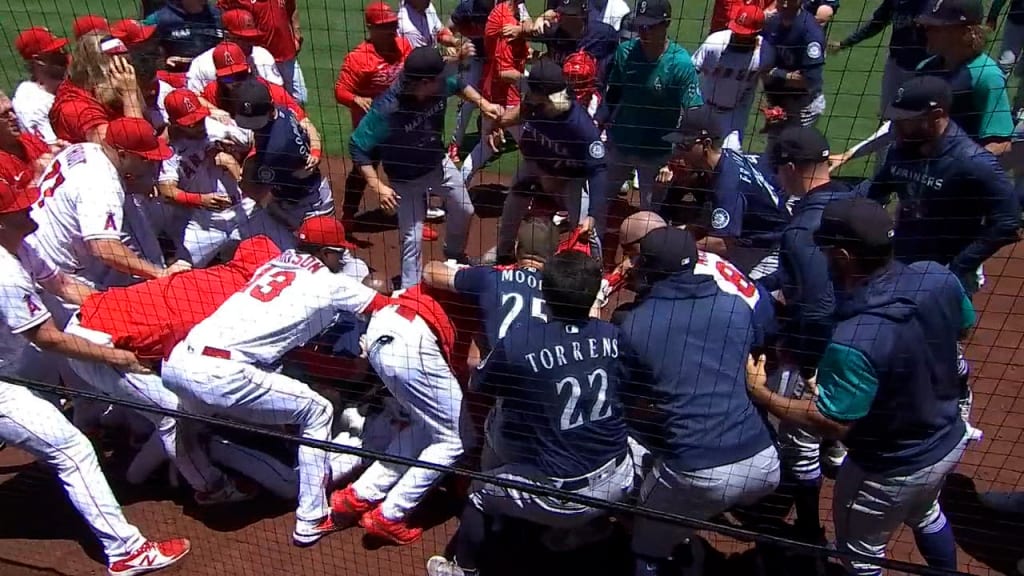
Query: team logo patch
x,y
596,150
814,50
266,174
719,218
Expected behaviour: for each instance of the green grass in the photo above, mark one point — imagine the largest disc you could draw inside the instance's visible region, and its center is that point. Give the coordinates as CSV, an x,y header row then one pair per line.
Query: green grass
x,y
332,27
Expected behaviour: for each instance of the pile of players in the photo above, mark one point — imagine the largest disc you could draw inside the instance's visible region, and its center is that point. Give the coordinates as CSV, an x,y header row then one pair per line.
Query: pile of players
x,y
170,240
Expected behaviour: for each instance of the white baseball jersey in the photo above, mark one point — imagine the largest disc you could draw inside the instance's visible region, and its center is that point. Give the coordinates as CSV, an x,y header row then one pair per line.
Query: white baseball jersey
x,y
202,70
614,12
21,307
419,28
32,107
289,300
729,279
82,199
728,78
156,113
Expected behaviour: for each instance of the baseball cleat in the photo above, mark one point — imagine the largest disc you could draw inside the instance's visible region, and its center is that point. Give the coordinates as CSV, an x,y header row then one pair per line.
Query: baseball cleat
x,y
230,493
435,214
347,507
835,454
453,153
441,566
309,533
396,531
150,557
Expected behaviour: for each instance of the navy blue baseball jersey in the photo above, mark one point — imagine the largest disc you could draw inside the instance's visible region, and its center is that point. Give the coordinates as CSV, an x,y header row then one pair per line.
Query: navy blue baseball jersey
x,y
568,146
957,206
506,295
798,46
470,17
745,205
282,148
558,387
907,42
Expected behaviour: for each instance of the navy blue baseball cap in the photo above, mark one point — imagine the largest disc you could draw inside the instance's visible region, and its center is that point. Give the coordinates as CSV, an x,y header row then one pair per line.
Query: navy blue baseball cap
x,y
858,224
423,63
652,12
572,7
918,96
250,103
696,124
801,144
667,251
952,13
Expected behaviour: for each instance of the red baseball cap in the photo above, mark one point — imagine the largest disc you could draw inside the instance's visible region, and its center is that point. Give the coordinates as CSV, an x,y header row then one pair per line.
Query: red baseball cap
x,y
184,108
36,41
131,32
326,231
748,20
136,136
89,23
229,59
379,14
16,196
239,22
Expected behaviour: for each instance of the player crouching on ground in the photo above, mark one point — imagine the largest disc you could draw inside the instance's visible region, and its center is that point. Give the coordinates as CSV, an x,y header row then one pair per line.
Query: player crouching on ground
x,y
559,419
226,364
33,424
409,344
886,385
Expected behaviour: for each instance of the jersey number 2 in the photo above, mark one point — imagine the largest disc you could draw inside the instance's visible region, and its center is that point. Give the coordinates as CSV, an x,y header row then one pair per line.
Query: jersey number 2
x,y
269,286
536,310
596,395
49,183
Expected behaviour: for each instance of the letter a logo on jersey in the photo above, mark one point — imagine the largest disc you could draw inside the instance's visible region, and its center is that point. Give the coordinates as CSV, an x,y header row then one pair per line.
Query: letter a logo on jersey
x,y
110,224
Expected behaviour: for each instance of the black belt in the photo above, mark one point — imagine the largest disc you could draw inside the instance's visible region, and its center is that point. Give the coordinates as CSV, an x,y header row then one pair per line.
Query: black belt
x,y
718,108
582,482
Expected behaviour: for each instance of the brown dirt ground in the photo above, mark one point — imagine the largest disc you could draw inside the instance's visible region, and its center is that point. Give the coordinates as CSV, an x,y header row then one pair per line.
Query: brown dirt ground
x,y
40,534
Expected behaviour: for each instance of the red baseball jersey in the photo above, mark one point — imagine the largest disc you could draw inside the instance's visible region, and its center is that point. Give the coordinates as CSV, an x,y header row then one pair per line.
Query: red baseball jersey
x,y
75,112
278,94
419,299
151,317
367,74
502,54
273,20
12,166
174,79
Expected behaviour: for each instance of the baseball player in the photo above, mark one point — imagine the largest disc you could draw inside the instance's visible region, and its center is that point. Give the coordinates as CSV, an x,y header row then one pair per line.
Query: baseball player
x,y
47,61
240,29
887,385
404,130
692,332
562,151
33,424
559,416
281,30
225,364
748,212
793,58
468,19
651,84
729,65
409,344
1012,44
23,155
185,30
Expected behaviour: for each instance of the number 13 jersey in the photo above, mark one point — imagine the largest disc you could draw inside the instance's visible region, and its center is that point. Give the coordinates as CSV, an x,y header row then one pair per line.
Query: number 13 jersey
x,y
289,300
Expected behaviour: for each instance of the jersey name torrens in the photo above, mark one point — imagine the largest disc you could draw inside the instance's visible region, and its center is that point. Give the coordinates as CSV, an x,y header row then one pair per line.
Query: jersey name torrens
x,y
556,355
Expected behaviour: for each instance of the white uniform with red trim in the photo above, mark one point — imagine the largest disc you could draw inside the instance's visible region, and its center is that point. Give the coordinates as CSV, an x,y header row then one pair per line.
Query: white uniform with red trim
x,y
226,364
33,424
32,105
409,344
728,81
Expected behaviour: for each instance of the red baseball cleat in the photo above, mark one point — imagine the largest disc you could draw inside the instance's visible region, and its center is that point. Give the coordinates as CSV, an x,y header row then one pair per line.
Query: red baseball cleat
x,y
309,533
453,152
150,557
396,531
429,233
347,507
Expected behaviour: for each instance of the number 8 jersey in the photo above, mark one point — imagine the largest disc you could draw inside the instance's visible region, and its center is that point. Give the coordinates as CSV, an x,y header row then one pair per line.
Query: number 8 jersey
x,y
289,300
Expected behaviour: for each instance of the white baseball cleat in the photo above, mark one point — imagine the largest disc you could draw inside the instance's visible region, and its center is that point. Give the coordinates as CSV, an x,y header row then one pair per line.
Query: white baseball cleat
x,y
150,557
435,214
441,566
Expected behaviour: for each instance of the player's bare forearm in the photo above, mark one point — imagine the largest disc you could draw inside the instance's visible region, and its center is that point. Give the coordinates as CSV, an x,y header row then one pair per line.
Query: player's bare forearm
x,y
802,412
370,175
998,148
471,95
315,143
510,76
510,117
439,275
119,257
714,244
68,289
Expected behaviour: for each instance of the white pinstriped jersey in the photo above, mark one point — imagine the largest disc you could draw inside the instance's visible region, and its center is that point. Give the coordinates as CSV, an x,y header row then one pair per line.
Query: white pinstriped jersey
x,y
32,107
289,300
728,78
21,308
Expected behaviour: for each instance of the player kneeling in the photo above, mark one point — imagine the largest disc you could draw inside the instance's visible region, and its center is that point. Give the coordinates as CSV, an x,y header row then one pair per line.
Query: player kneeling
x,y
558,422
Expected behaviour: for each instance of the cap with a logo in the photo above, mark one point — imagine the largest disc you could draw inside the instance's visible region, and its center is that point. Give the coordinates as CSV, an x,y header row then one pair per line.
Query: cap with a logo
x,y
240,23
572,7
918,96
89,23
380,14
36,41
858,224
801,144
131,32
16,196
652,12
325,231
696,124
136,136
546,77
952,13
184,108
250,104
748,20
667,251
229,59
423,63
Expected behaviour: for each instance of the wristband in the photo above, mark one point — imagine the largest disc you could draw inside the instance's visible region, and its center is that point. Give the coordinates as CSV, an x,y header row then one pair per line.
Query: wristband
x,y
190,199
315,153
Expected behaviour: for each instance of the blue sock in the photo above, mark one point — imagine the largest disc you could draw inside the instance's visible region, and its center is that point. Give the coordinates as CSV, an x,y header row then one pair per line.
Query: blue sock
x,y
807,501
647,566
936,543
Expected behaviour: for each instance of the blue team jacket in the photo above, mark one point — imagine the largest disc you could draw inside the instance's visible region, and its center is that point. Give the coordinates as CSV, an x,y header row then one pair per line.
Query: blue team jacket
x,y
187,35
693,340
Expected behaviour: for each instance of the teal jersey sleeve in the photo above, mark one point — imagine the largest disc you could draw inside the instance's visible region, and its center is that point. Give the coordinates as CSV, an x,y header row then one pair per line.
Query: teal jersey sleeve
x,y
689,84
371,132
454,84
967,310
990,99
150,20
847,383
